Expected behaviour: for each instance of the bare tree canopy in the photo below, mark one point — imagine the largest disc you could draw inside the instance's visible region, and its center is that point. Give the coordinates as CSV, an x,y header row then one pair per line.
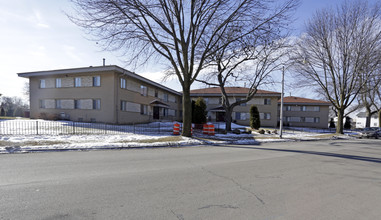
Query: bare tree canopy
x,y
185,33
340,52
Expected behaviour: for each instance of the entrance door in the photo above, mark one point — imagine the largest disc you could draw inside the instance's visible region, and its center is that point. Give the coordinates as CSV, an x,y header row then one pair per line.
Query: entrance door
x,y
220,116
156,112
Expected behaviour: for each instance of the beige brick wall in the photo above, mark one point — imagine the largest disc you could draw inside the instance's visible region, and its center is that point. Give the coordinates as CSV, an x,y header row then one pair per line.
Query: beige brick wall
x,y
133,86
67,82
67,103
133,107
50,103
50,83
86,104
86,81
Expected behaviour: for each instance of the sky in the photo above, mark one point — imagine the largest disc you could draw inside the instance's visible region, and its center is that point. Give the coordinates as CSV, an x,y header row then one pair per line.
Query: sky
x,y
36,35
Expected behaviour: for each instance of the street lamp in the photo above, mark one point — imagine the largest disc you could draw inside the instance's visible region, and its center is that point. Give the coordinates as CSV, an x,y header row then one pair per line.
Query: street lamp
x,y
281,107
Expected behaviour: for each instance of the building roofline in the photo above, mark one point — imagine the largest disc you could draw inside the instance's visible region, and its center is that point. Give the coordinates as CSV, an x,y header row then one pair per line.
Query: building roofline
x,y
114,68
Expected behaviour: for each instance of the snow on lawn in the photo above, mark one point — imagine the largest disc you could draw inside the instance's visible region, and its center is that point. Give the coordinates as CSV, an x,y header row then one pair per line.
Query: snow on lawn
x,y
21,136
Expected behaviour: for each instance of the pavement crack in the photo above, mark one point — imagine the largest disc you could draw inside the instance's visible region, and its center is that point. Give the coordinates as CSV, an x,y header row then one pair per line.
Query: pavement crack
x,y
219,206
178,216
235,182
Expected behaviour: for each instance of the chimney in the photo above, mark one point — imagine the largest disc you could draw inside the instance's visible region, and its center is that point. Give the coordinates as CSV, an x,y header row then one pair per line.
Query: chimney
x,y
104,62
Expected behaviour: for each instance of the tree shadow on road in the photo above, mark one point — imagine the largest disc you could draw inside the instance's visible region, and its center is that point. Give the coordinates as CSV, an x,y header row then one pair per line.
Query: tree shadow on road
x,y
327,154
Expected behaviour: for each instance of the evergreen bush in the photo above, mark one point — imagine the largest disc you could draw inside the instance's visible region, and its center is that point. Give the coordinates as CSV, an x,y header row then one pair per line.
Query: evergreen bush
x,y
255,121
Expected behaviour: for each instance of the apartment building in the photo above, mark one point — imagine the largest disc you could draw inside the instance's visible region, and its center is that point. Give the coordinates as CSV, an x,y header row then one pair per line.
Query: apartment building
x,y
266,101
303,112
108,94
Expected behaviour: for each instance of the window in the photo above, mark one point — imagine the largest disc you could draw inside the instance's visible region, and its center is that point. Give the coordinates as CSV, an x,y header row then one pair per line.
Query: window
x,y
293,119
123,105
96,81
165,112
58,83
42,84
180,113
42,104
143,109
77,104
220,101
267,101
122,83
77,82
165,97
303,108
96,104
316,120
316,108
238,116
288,108
143,90
156,93
265,116
58,104
206,100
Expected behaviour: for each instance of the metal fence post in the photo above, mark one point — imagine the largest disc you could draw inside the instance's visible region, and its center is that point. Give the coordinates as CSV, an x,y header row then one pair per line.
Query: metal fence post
x,y
73,127
133,124
37,127
159,127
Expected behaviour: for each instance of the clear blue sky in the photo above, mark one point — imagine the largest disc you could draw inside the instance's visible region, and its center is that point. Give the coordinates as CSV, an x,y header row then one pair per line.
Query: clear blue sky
x,y
36,35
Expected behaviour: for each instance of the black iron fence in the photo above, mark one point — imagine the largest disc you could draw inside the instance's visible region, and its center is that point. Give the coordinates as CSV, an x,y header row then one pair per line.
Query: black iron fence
x,y
39,127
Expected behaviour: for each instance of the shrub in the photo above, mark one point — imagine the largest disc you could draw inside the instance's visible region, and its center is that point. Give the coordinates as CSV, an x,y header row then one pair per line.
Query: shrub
x,y
199,111
261,131
2,112
255,121
347,124
331,123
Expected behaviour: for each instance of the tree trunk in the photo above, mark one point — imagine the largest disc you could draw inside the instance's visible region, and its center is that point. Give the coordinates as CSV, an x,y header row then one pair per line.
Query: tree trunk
x,y
228,119
340,123
368,117
379,118
187,111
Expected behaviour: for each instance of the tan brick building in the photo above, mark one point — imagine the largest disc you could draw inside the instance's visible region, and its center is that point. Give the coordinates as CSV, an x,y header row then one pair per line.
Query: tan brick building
x,y
266,101
303,112
107,94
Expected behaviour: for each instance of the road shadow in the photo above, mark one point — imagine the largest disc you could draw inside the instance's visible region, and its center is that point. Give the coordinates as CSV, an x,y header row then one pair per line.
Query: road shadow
x,y
326,154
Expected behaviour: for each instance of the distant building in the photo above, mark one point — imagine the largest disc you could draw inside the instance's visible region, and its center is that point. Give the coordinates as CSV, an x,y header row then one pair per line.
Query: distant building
x,y
303,112
361,120
266,101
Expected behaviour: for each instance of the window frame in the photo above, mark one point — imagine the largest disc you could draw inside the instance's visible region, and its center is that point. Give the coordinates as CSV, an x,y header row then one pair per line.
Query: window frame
x,y
58,83
123,83
42,83
96,104
96,81
77,82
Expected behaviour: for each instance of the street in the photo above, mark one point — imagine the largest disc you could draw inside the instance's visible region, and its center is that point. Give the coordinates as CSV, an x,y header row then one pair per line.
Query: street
x,y
338,179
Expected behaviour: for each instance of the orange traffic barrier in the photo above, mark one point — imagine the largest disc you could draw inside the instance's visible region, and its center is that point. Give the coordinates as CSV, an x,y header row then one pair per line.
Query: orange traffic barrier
x,y
211,129
176,129
205,129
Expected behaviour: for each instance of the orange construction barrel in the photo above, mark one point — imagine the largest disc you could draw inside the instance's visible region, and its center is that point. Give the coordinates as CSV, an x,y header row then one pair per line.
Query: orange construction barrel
x,y
176,129
211,129
205,129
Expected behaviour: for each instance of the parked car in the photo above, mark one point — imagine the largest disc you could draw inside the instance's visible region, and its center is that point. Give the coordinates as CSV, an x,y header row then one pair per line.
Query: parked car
x,y
372,132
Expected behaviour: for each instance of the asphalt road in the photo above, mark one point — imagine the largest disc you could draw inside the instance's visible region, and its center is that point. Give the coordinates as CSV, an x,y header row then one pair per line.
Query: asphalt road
x,y
295,180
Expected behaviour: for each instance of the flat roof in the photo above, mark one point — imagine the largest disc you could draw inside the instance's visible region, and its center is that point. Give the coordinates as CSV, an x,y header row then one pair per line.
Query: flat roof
x,y
93,69
238,91
299,100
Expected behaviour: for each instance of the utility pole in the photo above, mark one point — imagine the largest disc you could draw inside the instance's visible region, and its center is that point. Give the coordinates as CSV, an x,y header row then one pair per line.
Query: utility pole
x,y
281,107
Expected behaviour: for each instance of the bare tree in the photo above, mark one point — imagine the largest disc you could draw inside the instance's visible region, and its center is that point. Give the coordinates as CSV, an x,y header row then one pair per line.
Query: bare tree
x,y
339,48
370,97
250,63
184,33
